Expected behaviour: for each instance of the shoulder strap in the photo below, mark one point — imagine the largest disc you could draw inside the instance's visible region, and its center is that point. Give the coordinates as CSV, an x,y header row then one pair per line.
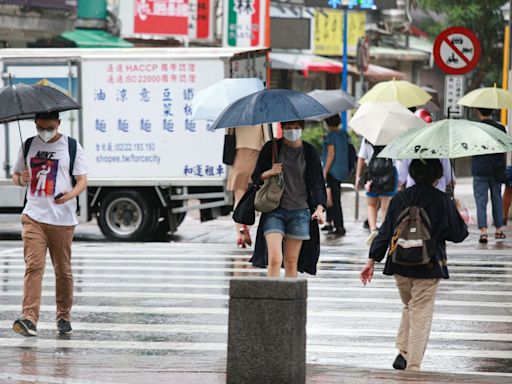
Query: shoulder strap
x,y
26,148
72,155
404,198
72,145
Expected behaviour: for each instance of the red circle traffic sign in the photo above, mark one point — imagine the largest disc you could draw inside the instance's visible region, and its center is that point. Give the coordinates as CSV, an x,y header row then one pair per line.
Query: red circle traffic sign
x,y
456,50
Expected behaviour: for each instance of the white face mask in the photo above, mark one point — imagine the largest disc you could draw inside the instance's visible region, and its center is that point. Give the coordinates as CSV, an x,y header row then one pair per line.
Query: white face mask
x,y
292,134
45,135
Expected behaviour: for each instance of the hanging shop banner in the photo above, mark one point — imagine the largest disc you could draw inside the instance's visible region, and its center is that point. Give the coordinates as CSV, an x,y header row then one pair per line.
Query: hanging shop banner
x,y
200,26
244,23
154,17
328,32
161,17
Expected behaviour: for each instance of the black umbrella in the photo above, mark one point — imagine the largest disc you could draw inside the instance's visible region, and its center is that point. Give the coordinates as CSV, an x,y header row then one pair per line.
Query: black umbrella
x,y
270,106
22,101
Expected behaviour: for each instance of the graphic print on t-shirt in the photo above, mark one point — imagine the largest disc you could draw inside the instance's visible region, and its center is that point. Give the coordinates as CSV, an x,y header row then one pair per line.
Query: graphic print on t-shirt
x,y
44,174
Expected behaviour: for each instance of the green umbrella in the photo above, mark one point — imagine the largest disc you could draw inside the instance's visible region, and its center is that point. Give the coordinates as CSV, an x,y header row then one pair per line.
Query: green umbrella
x,y
448,139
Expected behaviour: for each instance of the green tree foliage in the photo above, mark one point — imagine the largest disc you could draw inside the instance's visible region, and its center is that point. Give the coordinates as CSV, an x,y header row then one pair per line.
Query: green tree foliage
x,y
484,18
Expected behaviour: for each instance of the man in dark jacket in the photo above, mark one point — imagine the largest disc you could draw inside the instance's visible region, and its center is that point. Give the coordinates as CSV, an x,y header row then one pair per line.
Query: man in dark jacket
x,y
487,171
417,285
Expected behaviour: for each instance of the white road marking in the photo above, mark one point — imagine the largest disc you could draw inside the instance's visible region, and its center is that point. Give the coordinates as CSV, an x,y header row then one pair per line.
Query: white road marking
x,y
225,297
383,349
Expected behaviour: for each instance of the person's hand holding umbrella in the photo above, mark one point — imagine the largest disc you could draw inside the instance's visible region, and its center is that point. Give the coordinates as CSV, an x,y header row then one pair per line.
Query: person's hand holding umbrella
x,y
24,178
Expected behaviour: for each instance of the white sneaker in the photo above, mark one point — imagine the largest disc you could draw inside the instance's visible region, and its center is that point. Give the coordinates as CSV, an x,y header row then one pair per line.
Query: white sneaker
x,y
372,236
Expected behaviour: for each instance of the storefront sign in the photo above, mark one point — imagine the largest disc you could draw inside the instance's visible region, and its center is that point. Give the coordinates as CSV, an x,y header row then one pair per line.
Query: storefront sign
x,y
244,23
201,19
328,32
154,17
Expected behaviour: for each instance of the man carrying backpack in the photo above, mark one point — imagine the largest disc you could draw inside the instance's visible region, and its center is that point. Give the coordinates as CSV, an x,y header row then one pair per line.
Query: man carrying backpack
x,y
419,221
379,178
53,169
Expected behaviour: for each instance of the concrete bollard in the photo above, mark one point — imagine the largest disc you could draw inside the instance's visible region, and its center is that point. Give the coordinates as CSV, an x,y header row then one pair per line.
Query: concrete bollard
x,y
267,331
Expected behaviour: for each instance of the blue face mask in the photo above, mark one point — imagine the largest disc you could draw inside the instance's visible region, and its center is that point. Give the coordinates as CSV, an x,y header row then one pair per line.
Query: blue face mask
x,y
292,134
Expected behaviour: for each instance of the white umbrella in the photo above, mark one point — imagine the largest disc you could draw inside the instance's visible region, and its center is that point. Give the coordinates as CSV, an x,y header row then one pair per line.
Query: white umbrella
x,y
380,123
210,102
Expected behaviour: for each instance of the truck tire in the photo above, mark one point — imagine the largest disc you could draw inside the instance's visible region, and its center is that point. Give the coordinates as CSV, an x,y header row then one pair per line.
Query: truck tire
x,y
126,215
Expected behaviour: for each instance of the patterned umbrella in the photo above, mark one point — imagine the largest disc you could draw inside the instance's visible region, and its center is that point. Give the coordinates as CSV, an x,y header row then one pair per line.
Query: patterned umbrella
x,y
448,139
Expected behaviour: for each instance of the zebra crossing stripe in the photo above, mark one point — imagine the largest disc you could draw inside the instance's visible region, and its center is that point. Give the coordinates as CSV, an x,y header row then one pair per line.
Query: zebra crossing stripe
x,y
223,329
350,267
239,270
224,297
379,279
224,312
312,287
41,343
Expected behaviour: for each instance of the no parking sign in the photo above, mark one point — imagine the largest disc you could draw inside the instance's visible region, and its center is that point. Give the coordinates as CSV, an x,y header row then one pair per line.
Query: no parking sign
x,y
456,50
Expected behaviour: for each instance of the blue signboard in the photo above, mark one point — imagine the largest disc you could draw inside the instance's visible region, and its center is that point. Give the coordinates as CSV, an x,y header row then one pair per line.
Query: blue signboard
x,y
352,4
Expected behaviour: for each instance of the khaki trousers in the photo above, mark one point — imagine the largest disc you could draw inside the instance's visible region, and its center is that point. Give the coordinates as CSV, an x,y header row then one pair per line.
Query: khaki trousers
x,y
37,238
418,296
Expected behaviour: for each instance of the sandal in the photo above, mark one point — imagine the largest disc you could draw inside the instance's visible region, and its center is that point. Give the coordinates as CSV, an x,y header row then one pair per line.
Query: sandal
x,y
240,243
246,235
483,238
500,235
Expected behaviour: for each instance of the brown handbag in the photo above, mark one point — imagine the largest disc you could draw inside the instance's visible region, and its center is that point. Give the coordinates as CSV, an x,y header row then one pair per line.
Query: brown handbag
x,y
268,196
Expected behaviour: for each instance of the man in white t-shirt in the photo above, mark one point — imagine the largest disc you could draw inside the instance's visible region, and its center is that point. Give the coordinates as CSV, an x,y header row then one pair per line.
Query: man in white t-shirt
x,y
49,217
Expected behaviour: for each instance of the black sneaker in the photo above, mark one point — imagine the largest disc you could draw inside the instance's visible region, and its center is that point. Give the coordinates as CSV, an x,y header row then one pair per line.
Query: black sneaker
x,y
366,225
24,327
63,327
337,232
400,363
327,228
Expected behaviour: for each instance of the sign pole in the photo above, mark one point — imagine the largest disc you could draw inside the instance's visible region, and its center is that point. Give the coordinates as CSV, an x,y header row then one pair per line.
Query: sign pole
x,y
344,71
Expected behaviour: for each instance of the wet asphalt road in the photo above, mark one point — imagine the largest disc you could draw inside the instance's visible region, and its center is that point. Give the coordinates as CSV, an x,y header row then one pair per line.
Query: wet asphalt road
x,y
157,312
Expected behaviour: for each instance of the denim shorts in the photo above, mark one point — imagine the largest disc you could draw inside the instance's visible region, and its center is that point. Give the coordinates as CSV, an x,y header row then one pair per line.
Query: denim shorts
x,y
508,172
293,224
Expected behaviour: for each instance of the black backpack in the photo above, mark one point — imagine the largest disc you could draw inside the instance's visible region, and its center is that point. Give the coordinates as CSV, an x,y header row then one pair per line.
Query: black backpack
x,y
381,172
72,145
411,243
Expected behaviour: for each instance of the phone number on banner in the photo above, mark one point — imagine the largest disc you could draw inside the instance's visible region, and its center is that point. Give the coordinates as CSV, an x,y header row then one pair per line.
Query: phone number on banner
x,y
125,147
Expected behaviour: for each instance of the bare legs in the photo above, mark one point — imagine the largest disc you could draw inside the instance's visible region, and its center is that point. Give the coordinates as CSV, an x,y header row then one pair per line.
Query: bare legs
x,y
373,204
275,255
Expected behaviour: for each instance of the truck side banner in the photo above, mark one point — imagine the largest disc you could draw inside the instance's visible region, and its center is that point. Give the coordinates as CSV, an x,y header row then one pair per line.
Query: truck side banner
x,y
137,119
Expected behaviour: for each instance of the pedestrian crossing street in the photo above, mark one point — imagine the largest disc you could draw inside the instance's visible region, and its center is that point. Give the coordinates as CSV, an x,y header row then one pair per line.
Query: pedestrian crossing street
x,y
172,299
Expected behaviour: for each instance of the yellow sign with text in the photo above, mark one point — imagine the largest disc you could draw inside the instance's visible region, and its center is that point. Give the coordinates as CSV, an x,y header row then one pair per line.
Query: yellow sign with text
x,y
328,33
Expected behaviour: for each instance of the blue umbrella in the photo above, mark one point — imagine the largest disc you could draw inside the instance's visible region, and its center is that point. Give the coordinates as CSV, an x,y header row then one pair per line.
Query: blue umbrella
x,y
270,106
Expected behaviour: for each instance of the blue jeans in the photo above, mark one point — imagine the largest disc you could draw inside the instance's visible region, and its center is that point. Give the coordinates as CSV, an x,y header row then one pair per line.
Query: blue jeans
x,y
481,186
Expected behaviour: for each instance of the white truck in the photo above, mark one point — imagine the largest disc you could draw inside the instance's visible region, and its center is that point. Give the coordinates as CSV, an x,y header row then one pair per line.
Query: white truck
x,y
147,158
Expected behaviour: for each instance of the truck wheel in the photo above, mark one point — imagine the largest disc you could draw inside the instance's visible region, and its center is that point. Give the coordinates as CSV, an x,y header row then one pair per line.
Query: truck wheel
x,y
126,216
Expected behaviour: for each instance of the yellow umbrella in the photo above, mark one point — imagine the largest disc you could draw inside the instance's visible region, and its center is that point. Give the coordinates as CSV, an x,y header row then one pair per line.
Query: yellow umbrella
x,y
488,97
400,91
